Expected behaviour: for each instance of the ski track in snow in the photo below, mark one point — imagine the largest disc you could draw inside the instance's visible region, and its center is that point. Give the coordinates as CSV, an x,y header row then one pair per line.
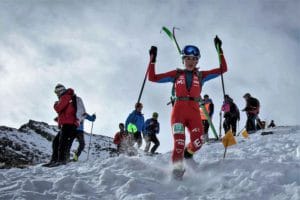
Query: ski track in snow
x,y
261,167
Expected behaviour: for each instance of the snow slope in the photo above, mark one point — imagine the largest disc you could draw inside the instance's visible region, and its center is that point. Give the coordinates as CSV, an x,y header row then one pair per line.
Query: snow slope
x,y
262,167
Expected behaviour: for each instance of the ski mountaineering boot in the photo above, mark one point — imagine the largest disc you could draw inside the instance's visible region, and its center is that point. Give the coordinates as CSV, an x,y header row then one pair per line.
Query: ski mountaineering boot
x,y
189,160
178,171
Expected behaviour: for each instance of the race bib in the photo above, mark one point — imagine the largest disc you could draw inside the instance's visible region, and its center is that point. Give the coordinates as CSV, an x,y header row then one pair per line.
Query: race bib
x,y
178,128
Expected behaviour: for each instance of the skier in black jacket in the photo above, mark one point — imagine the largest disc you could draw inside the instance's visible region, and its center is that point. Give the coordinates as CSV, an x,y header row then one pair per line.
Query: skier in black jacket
x,y
151,129
252,111
231,114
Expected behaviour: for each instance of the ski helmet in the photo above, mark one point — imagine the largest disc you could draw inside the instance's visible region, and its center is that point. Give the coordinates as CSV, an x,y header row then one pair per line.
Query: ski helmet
x,y
206,96
190,50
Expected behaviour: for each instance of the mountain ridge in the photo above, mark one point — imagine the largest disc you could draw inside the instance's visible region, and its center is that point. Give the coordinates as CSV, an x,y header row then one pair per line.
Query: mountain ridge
x,y
31,144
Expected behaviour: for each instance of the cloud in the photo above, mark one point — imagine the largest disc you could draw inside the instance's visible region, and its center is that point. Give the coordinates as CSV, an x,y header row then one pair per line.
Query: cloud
x,y
100,48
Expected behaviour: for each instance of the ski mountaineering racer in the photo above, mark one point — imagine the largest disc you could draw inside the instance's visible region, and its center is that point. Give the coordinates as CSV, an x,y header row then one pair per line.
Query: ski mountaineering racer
x,y
185,113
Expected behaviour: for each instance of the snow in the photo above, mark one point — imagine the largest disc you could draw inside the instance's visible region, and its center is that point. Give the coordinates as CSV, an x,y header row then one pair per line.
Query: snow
x,y
261,167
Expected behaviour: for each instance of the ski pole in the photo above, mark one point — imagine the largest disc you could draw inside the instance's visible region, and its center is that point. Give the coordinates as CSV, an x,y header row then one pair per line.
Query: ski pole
x,y
143,85
225,151
220,126
222,79
239,133
238,126
90,141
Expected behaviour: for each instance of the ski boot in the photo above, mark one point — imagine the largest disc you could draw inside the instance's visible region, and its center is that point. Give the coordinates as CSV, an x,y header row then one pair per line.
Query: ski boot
x,y
189,160
49,163
178,171
75,157
53,164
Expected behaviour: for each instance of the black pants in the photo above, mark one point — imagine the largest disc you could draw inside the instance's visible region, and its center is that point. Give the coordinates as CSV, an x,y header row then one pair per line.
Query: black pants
x,y
205,126
138,138
250,124
55,143
80,138
151,138
230,122
67,136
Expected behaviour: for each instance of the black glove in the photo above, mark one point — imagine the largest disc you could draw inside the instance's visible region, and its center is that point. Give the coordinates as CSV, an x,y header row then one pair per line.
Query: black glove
x,y
93,117
153,53
218,43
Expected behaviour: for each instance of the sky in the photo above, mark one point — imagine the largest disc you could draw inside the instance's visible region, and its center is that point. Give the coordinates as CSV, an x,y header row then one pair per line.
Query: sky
x,y
100,49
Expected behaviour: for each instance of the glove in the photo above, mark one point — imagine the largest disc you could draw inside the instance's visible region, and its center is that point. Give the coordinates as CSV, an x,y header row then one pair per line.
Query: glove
x,y
218,43
201,103
153,54
93,117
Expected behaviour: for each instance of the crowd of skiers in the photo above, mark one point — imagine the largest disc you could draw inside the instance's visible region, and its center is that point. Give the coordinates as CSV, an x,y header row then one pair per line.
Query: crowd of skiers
x,y
70,118
189,111
71,115
231,115
138,128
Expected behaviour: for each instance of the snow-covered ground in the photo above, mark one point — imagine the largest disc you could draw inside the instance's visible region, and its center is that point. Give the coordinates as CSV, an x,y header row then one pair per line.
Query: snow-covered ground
x,y
261,167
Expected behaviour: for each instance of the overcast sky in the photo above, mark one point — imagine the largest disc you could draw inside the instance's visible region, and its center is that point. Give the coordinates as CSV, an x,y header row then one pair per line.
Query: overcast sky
x,y
100,49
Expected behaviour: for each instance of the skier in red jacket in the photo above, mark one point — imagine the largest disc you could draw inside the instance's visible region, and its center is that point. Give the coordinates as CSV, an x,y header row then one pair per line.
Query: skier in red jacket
x,y
67,121
186,111
121,139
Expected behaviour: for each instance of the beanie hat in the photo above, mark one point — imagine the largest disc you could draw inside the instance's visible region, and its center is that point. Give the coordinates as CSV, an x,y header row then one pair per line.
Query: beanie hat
x,y
59,89
121,125
247,95
155,115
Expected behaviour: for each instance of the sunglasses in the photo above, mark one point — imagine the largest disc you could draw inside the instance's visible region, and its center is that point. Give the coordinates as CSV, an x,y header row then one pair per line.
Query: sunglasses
x,y
191,51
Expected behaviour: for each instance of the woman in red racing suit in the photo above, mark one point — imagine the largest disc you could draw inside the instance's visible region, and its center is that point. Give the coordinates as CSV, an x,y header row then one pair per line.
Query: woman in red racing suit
x,y
186,111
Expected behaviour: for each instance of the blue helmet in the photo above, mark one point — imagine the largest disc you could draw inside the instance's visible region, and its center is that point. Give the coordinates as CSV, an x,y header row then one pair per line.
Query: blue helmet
x,y
190,50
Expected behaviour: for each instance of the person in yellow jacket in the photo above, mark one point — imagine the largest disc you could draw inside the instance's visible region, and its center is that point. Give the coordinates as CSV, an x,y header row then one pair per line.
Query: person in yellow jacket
x,y
209,105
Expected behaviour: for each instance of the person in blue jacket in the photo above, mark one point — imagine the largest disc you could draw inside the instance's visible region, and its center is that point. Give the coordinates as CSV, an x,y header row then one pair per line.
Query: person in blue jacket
x,y
151,129
135,125
81,115
80,135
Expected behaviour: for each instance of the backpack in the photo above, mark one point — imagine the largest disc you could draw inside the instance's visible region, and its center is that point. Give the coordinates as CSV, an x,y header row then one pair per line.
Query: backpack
x,y
79,108
178,73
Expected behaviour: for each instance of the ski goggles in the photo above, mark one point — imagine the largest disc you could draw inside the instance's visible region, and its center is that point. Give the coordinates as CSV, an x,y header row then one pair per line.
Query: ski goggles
x,y
190,50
